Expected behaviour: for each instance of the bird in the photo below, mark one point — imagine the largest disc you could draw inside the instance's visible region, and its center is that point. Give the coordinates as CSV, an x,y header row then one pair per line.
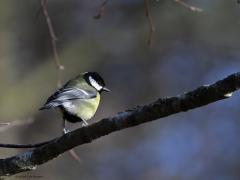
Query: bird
x,y
78,99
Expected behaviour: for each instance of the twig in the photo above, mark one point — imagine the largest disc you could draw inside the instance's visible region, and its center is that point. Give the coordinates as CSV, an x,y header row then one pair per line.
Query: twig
x,y
4,123
188,6
101,10
53,36
74,155
15,123
152,29
59,66
141,114
15,146
71,152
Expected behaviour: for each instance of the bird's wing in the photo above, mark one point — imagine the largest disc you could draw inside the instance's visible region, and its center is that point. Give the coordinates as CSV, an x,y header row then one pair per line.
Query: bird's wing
x,y
67,94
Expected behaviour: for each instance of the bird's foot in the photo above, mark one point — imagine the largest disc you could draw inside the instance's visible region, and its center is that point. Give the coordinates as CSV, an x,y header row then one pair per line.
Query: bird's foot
x,y
65,131
84,124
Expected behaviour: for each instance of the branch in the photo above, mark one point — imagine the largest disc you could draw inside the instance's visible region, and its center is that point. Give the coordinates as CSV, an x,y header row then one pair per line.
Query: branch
x,y
53,37
59,66
7,125
101,10
188,6
147,4
141,114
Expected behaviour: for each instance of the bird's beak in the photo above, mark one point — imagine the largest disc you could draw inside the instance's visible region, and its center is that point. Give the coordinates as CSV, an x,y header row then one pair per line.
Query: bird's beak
x,y
105,89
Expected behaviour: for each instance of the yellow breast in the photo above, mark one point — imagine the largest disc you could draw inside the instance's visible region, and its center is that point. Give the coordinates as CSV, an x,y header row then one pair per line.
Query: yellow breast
x,y
87,108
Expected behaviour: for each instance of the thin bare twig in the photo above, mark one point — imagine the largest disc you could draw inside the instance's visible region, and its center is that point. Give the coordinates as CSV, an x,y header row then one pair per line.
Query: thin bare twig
x,y
71,152
15,146
59,66
101,10
7,125
75,156
188,6
152,29
53,36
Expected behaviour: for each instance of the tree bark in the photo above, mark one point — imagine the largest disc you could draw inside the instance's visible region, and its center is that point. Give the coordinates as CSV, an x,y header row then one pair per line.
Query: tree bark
x,y
162,107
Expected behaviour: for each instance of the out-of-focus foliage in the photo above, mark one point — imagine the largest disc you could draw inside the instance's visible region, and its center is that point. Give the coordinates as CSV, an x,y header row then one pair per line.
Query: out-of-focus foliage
x,y
190,49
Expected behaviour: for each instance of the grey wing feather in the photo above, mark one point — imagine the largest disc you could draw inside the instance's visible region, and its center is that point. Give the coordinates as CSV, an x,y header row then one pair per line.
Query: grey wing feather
x,y
67,94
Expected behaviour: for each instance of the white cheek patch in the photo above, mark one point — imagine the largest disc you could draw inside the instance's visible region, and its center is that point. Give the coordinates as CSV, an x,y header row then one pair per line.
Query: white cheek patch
x,y
95,83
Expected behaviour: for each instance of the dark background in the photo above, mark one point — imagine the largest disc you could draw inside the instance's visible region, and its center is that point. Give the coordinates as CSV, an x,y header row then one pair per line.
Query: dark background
x,y
189,49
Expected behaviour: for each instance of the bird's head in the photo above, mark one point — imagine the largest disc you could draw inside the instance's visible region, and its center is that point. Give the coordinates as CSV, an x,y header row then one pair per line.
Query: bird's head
x,y
96,81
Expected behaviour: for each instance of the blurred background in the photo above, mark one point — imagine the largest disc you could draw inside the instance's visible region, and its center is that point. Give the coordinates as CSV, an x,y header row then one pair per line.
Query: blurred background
x,y
189,49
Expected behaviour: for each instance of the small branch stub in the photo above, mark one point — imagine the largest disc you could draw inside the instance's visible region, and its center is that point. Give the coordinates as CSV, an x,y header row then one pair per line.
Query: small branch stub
x,y
188,6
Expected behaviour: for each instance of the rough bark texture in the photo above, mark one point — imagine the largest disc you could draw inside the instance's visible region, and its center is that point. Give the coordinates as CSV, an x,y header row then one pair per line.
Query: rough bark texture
x,y
160,108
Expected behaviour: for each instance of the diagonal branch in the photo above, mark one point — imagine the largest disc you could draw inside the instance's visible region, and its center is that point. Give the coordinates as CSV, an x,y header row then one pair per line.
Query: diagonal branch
x,y
188,6
152,29
53,37
102,9
59,66
141,114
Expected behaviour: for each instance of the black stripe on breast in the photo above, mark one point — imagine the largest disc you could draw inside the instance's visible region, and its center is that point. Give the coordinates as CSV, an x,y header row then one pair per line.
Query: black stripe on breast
x,y
70,117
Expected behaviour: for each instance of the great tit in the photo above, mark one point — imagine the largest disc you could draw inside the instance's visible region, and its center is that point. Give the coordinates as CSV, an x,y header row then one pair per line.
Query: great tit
x,y
79,98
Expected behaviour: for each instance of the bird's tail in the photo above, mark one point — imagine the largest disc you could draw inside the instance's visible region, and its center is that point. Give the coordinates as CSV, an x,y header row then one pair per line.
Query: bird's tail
x,y
42,108
49,105
45,106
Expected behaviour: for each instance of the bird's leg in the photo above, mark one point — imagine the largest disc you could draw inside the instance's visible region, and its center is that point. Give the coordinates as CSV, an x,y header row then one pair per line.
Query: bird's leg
x,y
84,123
72,153
65,131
